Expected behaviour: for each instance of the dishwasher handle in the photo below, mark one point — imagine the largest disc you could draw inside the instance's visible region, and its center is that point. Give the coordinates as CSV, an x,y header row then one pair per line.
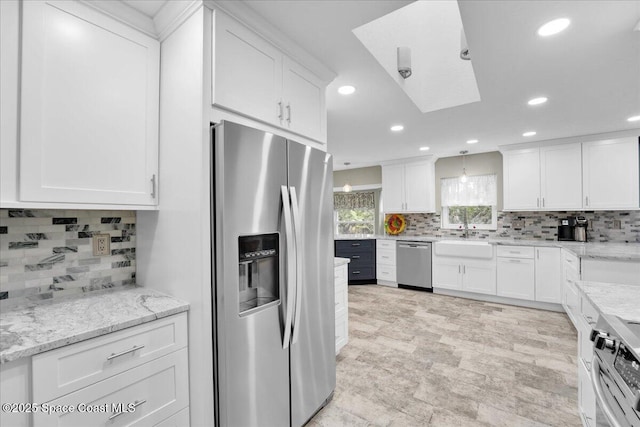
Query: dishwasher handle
x,y
414,245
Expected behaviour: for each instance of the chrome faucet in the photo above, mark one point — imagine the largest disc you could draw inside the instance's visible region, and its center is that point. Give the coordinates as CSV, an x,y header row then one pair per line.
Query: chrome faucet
x,y
466,224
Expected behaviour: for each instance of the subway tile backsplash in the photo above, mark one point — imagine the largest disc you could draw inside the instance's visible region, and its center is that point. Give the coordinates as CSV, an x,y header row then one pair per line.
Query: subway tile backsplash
x,y
49,253
537,226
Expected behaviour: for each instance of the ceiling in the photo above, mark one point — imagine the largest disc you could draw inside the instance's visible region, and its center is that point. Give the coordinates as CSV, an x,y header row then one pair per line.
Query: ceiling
x,y
590,74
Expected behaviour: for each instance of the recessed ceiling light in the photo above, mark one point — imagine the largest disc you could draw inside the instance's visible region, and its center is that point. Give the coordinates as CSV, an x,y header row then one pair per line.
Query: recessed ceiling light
x,y
537,101
424,148
397,128
633,119
346,90
530,133
472,141
553,27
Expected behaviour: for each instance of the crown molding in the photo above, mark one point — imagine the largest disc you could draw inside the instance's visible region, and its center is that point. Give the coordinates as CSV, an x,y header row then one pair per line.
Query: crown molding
x,y
571,140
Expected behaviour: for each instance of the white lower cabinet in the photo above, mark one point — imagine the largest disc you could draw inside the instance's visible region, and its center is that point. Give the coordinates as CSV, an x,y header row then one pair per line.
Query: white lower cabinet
x,y
548,273
386,262
341,274
516,278
465,275
137,376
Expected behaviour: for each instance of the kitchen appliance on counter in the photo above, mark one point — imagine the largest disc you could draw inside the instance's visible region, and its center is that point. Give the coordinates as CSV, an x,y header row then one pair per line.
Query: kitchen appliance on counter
x,y
566,229
615,371
414,265
580,231
274,319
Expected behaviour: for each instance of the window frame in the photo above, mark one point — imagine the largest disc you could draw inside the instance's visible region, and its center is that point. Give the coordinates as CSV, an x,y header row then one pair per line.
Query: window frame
x,y
336,224
445,224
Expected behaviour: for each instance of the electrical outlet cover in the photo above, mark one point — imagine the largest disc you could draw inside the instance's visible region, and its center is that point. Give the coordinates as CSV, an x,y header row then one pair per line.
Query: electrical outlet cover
x,y
101,244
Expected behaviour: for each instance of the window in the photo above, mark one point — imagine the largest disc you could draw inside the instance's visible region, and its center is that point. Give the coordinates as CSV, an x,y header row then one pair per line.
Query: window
x,y
354,213
473,202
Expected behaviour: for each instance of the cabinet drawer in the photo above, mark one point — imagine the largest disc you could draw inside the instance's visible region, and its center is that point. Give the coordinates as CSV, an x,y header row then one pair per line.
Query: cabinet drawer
x,y
354,244
160,388
362,257
515,251
362,273
570,260
386,272
589,314
386,244
180,419
70,368
386,256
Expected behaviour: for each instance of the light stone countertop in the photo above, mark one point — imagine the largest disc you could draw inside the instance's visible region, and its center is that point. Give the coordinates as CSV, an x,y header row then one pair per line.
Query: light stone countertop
x,y
593,250
36,327
613,299
337,261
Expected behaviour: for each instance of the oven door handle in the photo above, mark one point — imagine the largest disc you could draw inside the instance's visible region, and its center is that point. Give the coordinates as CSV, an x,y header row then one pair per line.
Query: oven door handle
x,y
597,386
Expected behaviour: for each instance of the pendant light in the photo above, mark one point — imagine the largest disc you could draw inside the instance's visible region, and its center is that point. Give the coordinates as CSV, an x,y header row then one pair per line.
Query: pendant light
x,y
463,178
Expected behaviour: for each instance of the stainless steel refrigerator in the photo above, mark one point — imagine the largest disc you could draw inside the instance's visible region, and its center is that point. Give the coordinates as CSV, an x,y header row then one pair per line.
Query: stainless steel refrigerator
x,y
274,294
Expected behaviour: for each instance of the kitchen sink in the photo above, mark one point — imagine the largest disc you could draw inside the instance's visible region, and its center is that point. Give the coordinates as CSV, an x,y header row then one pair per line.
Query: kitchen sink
x,y
464,248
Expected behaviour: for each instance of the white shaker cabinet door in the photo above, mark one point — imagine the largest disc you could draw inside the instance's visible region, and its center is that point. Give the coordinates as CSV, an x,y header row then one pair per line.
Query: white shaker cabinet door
x,y
561,177
247,77
479,277
611,174
393,188
515,278
419,187
304,101
447,274
521,175
90,101
548,275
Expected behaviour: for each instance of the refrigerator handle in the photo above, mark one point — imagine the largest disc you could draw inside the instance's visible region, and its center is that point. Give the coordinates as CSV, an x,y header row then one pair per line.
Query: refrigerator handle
x,y
290,261
299,262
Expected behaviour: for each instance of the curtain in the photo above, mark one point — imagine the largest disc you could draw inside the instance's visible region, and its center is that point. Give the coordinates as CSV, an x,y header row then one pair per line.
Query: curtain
x,y
355,200
479,190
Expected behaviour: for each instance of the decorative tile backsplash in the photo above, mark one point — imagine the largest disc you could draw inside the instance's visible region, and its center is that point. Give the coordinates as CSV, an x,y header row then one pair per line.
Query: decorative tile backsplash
x,y
537,226
49,253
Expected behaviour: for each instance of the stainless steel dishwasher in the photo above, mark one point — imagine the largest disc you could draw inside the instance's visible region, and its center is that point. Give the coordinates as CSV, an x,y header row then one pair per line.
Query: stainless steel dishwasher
x,y
414,265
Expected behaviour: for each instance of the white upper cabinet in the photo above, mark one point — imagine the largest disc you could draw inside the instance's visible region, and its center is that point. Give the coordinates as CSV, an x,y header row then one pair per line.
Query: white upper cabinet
x,y
393,188
611,176
247,71
408,187
596,175
561,177
303,98
254,78
521,179
90,100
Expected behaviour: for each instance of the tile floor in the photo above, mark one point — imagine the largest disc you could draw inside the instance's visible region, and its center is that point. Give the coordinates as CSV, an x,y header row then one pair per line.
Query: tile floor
x,y
420,359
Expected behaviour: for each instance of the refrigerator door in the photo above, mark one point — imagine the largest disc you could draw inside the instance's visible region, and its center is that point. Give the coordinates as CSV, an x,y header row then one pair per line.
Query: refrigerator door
x,y
313,369
252,365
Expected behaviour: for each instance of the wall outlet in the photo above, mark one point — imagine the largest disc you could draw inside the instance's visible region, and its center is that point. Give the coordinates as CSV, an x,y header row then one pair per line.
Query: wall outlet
x,y
617,224
101,244
517,224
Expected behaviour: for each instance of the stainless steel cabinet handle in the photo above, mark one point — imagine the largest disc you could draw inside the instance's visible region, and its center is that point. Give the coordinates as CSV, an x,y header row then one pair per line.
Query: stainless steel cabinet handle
x,y
153,186
355,272
538,202
289,113
291,263
300,262
514,260
122,353
355,257
543,202
135,405
355,244
459,268
464,269
586,200
280,112
538,253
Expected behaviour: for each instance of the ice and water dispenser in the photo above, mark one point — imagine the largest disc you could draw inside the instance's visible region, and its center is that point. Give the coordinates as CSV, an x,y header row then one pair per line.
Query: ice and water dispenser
x,y
259,265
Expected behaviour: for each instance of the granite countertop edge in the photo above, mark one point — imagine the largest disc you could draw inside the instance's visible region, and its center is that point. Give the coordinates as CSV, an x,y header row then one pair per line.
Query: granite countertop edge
x,y
613,299
24,328
588,250
337,261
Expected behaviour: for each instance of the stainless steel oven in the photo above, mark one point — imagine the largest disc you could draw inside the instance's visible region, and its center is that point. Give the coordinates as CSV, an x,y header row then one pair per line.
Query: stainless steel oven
x,y
615,371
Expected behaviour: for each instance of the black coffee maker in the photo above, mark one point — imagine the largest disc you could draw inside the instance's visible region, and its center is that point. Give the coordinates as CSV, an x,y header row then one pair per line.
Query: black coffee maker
x,y
567,229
